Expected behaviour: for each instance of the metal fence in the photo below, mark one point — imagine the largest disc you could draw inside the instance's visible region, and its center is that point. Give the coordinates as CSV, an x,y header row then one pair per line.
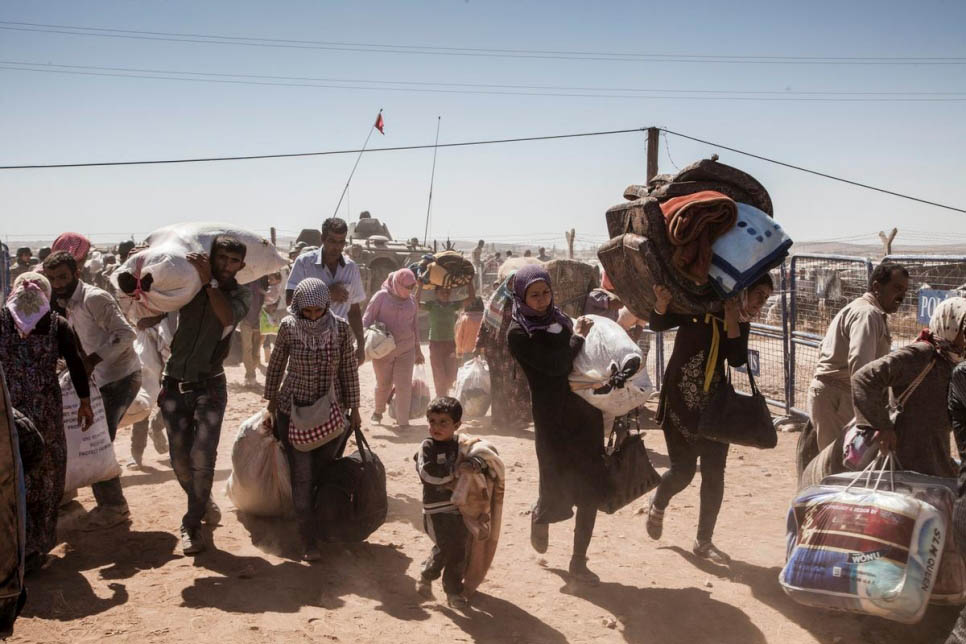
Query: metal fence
x,y
810,290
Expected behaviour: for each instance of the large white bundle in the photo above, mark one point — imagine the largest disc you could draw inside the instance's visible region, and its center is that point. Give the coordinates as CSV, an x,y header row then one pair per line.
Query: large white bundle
x,y
153,347
174,281
608,347
260,482
473,388
90,454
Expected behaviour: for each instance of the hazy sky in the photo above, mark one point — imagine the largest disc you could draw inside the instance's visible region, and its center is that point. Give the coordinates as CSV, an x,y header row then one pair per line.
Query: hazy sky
x,y
513,192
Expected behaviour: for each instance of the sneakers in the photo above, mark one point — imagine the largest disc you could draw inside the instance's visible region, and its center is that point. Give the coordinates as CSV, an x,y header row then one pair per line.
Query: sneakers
x,y
212,513
580,573
655,521
135,462
457,601
311,554
709,551
424,587
103,517
539,536
192,541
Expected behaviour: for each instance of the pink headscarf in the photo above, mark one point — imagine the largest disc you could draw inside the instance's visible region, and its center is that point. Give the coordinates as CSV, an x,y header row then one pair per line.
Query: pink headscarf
x,y
74,243
29,301
398,280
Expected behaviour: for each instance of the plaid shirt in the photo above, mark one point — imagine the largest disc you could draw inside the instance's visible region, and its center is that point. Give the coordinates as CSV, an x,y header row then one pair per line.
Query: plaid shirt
x,y
308,375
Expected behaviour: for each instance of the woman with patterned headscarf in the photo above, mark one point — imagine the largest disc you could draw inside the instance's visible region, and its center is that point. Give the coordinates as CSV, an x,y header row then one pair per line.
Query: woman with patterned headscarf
x,y
395,307
919,434
315,354
32,339
568,430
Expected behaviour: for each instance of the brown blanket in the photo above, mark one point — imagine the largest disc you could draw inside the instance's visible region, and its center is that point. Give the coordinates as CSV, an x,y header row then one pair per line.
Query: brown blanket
x,y
694,222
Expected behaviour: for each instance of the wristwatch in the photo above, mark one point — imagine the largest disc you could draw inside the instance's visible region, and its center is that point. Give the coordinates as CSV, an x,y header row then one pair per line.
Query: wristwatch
x,y
213,283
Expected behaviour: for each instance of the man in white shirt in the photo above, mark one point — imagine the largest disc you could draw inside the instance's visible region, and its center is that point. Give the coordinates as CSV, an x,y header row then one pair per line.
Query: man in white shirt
x,y
339,273
107,348
858,334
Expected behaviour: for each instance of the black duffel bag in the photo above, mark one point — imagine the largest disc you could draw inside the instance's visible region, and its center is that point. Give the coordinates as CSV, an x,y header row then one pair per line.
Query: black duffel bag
x,y
630,474
737,418
351,501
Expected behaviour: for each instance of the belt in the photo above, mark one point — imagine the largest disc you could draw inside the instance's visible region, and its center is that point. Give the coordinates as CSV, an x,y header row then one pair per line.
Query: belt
x,y
184,386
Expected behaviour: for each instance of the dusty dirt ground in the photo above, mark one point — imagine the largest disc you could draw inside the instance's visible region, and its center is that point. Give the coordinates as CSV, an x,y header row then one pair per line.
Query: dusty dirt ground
x,y
133,585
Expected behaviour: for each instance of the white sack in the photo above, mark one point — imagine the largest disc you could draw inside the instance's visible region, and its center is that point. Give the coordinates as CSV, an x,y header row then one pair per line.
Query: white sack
x,y
608,345
90,454
260,482
175,281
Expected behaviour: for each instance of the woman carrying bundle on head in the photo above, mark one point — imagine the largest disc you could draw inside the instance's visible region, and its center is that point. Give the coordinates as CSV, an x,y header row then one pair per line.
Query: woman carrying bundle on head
x,y
693,375
569,431
314,352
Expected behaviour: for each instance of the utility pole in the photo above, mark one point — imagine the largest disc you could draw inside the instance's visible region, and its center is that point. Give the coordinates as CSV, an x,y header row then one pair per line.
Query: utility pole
x,y
887,241
653,147
272,233
570,235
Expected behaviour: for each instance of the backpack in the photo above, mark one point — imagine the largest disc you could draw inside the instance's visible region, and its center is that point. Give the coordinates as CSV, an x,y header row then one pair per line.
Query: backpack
x,y
351,501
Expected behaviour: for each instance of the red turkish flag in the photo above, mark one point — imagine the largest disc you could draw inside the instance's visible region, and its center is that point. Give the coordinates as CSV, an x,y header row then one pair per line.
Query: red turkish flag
x,y
380,124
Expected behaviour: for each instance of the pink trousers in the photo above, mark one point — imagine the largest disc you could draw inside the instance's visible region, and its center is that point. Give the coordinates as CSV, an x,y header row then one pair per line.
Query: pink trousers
x,y
395,371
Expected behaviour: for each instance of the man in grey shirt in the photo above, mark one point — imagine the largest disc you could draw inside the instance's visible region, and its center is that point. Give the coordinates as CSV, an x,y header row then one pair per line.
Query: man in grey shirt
x,y
858,334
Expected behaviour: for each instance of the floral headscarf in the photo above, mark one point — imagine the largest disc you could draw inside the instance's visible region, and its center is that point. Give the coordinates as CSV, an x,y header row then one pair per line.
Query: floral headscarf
x,y
29,301
527,317
399,280
312,292
947,321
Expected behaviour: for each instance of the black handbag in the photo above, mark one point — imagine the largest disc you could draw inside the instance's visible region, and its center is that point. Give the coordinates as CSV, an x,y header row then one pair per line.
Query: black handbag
x,y
738,418
630,474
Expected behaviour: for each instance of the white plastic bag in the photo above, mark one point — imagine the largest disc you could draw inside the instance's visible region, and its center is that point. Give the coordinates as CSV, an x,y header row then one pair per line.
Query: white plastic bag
x,y
260,483
379,342
473,388
174,281
420,398
90,454
608,346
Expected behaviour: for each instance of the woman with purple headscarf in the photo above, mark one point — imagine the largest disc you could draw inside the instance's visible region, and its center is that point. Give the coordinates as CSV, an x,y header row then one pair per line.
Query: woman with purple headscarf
x,y
568,430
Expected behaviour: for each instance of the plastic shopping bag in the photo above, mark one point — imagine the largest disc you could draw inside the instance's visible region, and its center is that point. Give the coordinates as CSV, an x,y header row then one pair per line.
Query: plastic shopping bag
x,y
473,388
260,482
864,548
419,399
90,454
607,349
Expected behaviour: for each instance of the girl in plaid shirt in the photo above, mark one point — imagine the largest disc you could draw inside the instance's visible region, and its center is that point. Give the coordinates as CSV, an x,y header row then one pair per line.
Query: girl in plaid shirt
x,y
314,351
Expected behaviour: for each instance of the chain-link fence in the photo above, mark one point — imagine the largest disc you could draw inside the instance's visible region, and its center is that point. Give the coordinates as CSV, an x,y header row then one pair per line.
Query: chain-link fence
x,y
932,278
819,287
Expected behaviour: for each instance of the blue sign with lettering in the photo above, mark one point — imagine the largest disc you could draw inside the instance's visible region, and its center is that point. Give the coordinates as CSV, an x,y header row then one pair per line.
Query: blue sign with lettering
x,y
754,360
929,299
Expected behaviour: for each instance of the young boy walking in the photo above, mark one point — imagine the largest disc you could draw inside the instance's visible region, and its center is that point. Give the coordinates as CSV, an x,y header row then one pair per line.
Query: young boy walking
x,y
436,463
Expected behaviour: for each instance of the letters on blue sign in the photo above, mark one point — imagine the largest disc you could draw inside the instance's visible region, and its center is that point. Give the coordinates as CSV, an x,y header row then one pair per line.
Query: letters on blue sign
x,y
929,299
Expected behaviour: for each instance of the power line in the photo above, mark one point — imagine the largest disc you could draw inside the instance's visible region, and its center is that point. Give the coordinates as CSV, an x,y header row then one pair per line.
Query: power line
x,y
46,66
314,154
249,41
192,77
815,172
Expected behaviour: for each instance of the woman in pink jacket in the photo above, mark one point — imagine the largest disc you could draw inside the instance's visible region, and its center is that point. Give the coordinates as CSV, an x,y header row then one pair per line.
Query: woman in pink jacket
x,y
394,306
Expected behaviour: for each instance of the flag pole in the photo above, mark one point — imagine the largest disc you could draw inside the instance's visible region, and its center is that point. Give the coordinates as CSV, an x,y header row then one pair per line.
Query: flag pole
x,y
432,177
356,165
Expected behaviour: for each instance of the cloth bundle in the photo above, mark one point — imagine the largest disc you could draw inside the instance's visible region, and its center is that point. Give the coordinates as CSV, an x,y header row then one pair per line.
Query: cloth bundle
x,y
667,231
755,245
694,222
479,498
572,282
449,269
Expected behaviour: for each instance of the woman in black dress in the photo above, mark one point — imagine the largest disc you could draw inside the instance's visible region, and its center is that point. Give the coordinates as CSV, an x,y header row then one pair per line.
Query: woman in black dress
x,y
568,430
692,377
